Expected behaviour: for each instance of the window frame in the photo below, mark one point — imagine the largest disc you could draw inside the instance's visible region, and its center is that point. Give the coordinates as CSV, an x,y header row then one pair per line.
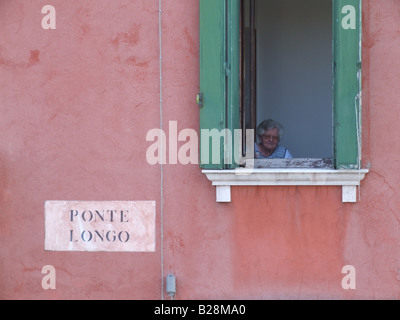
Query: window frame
x,y
219,41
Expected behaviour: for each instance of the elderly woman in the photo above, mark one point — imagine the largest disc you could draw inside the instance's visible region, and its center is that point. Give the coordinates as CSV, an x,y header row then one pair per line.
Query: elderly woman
x,y
269,134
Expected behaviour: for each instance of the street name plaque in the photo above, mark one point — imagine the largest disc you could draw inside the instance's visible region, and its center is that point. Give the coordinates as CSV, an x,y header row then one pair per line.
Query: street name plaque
x,y
114,226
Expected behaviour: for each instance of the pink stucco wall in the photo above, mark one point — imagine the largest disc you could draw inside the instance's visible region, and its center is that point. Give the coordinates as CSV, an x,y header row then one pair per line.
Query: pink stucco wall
x,y
76,105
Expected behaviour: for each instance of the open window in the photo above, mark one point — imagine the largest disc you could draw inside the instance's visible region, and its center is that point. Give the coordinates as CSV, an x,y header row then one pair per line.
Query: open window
x,y
286,52
297,62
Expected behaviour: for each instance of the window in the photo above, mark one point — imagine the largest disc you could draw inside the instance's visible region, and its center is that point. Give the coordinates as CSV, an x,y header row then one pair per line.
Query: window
x,y
287,54
248,73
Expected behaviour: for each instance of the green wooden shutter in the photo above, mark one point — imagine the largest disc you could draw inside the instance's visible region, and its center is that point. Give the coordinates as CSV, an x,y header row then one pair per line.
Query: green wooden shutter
x,y
219,82
347,28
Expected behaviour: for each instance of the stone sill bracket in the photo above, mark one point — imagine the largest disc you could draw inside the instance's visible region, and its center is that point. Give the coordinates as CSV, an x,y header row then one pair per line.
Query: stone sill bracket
x,y
349,180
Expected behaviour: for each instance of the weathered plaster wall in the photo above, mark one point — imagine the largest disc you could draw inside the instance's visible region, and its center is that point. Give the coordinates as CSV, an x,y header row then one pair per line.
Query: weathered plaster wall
x,y
77,103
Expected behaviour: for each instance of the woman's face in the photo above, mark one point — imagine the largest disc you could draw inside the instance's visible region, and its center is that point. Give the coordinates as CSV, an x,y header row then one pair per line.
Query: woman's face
x,y
270,139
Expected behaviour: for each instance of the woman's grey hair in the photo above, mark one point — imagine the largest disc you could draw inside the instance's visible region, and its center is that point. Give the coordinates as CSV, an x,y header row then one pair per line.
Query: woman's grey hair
x,y
267,125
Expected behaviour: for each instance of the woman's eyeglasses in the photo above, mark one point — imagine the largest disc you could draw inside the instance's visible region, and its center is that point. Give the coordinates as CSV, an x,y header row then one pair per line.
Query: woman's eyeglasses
x,y
269,137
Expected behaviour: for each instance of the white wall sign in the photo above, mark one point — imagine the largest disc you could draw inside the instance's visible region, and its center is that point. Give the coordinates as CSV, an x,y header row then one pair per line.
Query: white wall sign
x,y
120,226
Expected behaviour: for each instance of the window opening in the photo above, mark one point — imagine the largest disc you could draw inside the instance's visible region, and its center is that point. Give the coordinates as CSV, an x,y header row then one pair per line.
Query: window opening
x,y
286,75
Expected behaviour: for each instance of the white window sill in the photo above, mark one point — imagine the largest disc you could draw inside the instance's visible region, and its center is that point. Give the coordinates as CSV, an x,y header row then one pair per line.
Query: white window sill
x,y
224,179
